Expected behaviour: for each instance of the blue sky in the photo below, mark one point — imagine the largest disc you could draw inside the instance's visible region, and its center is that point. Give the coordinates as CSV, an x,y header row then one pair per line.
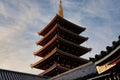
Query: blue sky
x,y
20,20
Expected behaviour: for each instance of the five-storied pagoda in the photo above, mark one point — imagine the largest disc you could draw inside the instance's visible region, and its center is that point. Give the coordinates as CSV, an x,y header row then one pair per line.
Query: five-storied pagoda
x,y
61,48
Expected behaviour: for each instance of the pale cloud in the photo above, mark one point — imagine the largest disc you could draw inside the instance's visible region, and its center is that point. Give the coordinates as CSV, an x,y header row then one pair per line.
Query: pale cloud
x,y
102,24
97,9
3,10
15,48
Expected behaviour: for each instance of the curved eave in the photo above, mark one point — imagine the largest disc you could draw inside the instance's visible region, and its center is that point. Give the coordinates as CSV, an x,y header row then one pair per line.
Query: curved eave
x,y
73,57
80,38
47,46
37,64
82,49
46,38
48,27
68,56
107,56
79,29
54,69
55,20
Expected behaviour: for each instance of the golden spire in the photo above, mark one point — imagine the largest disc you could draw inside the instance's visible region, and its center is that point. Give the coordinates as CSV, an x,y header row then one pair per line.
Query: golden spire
x,y
60,11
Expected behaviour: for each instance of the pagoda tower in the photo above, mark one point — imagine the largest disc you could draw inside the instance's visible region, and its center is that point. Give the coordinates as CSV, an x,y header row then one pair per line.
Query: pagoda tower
x,y
61,48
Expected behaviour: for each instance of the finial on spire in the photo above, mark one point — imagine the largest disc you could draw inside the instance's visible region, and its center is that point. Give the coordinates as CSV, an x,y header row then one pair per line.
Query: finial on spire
x,y
60,11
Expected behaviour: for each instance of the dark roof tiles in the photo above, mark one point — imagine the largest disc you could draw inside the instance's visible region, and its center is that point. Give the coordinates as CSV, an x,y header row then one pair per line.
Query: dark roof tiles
x,y
108,50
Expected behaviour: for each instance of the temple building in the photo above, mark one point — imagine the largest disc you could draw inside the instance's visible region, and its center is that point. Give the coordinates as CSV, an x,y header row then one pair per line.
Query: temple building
x,y
108,63
105,66
61,46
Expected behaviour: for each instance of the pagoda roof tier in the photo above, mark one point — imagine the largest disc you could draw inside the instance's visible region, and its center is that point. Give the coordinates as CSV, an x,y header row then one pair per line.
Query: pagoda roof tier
x,y
71,36
64,33
53,57
82,50
47,37
46,47
61,43
65,23
54,70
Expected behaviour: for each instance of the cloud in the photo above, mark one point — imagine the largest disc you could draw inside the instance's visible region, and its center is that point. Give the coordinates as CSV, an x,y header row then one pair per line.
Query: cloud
x,y
102,23
14,42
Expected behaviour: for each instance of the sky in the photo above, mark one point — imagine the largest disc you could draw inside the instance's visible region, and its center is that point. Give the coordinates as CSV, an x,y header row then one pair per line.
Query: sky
x,y
20,20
